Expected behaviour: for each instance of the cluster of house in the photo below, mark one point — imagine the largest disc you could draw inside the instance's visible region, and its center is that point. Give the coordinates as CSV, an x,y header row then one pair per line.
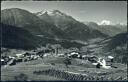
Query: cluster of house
x,y
97,61
28,56
25,56
22,57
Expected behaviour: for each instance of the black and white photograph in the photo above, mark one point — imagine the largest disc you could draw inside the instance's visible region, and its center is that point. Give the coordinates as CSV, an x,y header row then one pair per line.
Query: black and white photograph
x,y
63,40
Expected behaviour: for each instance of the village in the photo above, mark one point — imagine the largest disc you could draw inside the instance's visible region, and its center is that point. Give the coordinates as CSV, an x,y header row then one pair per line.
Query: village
x,y
73,53
52,63
58,63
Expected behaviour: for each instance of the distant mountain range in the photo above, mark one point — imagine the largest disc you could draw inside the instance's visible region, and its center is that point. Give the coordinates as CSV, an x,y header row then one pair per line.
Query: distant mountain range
x,y
75,29
56,25
110,30
50,27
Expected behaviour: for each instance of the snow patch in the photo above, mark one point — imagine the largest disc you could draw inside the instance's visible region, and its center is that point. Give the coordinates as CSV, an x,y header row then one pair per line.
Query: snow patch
x,y
105,22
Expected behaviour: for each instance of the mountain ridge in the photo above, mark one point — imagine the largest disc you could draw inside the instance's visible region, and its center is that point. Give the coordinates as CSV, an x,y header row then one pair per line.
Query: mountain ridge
x,y
77,30
26,20
110,30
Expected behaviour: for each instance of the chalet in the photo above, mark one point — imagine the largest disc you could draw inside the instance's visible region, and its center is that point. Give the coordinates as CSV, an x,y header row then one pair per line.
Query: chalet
x,y
111,58
33,57
19,60
101,62
27,54
46,54
93,59
12,62
11,57
61,55
19,55
73,54
2,62
85,57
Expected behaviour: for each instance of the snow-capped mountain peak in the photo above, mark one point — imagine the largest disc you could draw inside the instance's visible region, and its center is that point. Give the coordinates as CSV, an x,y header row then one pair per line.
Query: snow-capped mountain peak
x,y
51,13
44,12
57,12
105,22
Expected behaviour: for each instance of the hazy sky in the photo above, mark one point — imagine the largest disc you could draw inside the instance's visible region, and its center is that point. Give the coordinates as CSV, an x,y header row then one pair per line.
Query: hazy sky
x,y
96,11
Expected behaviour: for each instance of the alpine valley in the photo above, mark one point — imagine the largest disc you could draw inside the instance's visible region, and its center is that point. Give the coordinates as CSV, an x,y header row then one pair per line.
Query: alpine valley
x,y
52,35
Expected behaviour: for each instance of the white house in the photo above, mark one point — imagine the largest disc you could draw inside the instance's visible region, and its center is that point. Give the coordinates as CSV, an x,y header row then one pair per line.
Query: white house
x,y
110,57
2,60
46,54
20,55
11,57
103,63
73,53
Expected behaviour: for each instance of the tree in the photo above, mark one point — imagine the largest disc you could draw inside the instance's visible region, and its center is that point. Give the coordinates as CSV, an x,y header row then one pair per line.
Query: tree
x,y
48,46
56,48
67,62
83,49
21,77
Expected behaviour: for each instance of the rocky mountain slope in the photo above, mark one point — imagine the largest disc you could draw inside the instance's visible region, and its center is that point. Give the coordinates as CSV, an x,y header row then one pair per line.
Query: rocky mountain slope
x,y
17,38
115,46
56,25
75,29
13,37
28,21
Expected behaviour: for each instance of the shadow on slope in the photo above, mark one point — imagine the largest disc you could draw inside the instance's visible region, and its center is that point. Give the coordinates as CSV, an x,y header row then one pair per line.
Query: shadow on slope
x,y
13,37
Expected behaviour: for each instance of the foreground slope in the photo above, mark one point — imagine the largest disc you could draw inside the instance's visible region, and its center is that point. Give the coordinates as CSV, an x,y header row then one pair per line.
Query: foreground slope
x,y
9,73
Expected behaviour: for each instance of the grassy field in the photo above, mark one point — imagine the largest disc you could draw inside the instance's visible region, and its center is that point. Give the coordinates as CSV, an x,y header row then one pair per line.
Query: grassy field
x,y
9,72
27,68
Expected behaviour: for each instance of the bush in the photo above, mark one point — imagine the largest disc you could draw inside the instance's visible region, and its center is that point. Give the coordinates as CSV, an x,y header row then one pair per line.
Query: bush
x,y
67,62
21,77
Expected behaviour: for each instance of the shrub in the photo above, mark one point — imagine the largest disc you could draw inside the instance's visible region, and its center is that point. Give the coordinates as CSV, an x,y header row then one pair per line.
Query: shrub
x,y
21,77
